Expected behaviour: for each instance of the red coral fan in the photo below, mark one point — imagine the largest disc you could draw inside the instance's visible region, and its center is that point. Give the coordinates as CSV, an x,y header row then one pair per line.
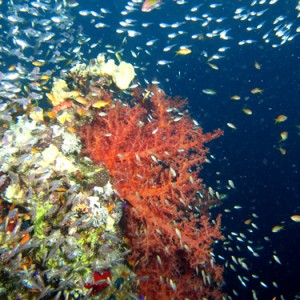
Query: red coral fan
x,y
154,152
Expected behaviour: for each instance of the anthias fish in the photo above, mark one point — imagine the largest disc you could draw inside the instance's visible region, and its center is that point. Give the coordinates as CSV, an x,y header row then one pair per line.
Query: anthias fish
x,y
149,5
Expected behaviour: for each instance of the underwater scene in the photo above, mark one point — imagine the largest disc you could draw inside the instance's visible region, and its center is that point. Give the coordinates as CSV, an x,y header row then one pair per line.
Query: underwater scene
x,y
149,149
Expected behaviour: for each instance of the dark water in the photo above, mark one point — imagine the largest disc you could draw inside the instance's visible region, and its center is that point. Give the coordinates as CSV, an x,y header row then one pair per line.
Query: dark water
x,y
267,182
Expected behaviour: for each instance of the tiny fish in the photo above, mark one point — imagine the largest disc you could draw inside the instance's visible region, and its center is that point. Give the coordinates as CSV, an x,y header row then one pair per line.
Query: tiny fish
x,y
213,66
282,151
237,207
235,97
247,111
168,48
164,62
231,184
284,136
232,126
151,42
276,258
10,76
257,91
295,218
280,118
178,233
257,66
263,284
209,92
277,228
149,5
183,51
39,63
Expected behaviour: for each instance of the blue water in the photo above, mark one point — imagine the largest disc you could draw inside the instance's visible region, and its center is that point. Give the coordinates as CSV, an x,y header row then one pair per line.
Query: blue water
x,y
267,183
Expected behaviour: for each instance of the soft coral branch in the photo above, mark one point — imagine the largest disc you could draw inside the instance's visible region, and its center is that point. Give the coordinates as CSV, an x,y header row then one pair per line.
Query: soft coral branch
x,y
154,153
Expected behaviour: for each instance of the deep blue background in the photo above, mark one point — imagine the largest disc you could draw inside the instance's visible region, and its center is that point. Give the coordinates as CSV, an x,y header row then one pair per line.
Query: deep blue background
x,y
267,183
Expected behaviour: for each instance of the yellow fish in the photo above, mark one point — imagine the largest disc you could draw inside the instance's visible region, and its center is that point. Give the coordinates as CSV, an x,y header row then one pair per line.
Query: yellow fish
x,y
149,5
282,151
81,100
280,118
257,66
284,136
45,77
50,97
39,63
12,68
118,56
183,51
100,104
277,228
257,91
235,98
247,111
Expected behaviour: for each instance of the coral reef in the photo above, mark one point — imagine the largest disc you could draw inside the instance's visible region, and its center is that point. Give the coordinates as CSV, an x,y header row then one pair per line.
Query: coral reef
x,y
97,180
58,218
121,75
154,153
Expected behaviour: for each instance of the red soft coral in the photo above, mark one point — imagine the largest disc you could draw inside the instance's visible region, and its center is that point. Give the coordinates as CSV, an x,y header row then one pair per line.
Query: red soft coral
x,y
154,152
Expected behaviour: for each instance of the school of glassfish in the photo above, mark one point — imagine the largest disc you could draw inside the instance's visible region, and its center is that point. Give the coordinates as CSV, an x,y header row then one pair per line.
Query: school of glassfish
x,y
41,39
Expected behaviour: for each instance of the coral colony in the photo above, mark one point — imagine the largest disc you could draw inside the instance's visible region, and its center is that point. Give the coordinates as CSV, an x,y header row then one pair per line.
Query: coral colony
x,y
101,195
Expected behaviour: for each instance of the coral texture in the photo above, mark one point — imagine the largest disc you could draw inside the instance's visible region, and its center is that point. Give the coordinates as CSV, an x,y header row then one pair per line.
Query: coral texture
x,y
154,152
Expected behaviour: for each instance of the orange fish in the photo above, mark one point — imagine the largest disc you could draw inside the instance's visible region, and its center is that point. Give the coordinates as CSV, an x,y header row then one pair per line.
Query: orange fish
x,y
280,118
71,129
51,114
248,221
295,218
25,239
81,112
12,68
149,5
277,228
111,207
61,189
284,136
34,150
